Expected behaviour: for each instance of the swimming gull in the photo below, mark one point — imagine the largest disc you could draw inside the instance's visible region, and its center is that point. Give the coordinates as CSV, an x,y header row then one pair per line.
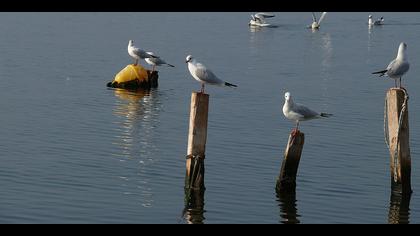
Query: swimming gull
x,y
316,24
379,21
258,19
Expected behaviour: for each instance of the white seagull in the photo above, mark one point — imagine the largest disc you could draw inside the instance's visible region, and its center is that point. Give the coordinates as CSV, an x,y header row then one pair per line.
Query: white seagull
x,y
316,24
137,53
397,67
379,21
297,112
156,61
203,75
259,19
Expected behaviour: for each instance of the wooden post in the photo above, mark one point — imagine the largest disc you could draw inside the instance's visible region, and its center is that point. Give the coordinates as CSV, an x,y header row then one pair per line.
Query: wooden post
x,y
153,78
286,181
194,177
197,136
401,162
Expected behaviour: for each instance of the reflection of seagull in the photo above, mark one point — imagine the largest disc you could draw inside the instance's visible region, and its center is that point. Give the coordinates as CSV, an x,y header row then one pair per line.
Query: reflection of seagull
x,y
259,19
156,61
397,67
296,112
204,75
137,53
379,21
316,24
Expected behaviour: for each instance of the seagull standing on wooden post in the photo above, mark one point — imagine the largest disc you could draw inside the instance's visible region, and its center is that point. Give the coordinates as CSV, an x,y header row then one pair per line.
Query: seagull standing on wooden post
x,y
204,75
297,112
397,67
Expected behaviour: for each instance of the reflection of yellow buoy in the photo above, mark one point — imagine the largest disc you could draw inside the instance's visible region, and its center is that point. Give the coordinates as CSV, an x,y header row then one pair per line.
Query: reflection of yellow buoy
x,y
131,96
134,77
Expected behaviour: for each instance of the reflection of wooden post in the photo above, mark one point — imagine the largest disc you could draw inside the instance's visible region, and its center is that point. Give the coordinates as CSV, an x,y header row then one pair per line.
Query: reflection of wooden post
x,y
286,181
400,160
288,208
399,206
197,136
194,206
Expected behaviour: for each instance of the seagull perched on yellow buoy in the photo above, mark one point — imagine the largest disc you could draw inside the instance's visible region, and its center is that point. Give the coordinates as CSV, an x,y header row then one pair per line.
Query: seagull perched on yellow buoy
x,y
156,61
136,53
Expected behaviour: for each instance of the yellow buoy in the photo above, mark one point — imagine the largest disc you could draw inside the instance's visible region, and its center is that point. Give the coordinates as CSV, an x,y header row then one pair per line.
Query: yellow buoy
x,y
130,73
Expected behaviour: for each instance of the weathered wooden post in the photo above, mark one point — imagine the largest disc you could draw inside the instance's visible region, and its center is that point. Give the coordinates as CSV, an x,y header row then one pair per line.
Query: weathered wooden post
x,y
286,181
397,138
197,135
153,78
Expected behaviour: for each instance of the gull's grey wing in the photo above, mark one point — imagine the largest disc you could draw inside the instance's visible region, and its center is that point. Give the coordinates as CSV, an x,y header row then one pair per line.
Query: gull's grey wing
x,y
157,61
391,64
397,68
313,17
263,15
140,53
207,75
322,17
304,111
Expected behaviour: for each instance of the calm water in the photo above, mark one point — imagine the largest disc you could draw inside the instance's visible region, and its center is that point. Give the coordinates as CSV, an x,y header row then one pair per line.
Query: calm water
x,y
73,151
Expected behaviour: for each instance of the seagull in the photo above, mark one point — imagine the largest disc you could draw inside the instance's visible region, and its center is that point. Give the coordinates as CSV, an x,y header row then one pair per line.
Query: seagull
x,y
376,22
259,18
397,67
379,21
203,75
370,21
137,53
156,61
297,112
316,24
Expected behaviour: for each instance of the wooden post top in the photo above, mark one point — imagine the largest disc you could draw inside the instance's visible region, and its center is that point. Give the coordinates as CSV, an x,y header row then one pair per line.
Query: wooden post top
x,y
200,94
397,89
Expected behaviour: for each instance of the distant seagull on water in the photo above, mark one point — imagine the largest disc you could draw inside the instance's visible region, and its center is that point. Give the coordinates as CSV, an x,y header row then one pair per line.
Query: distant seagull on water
x,y
379,21
156,61
316,24
297,112
137,53
203,75
397,67
259,19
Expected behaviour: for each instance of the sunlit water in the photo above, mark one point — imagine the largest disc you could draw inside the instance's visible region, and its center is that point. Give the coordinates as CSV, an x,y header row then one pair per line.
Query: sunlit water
x,y
74,151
